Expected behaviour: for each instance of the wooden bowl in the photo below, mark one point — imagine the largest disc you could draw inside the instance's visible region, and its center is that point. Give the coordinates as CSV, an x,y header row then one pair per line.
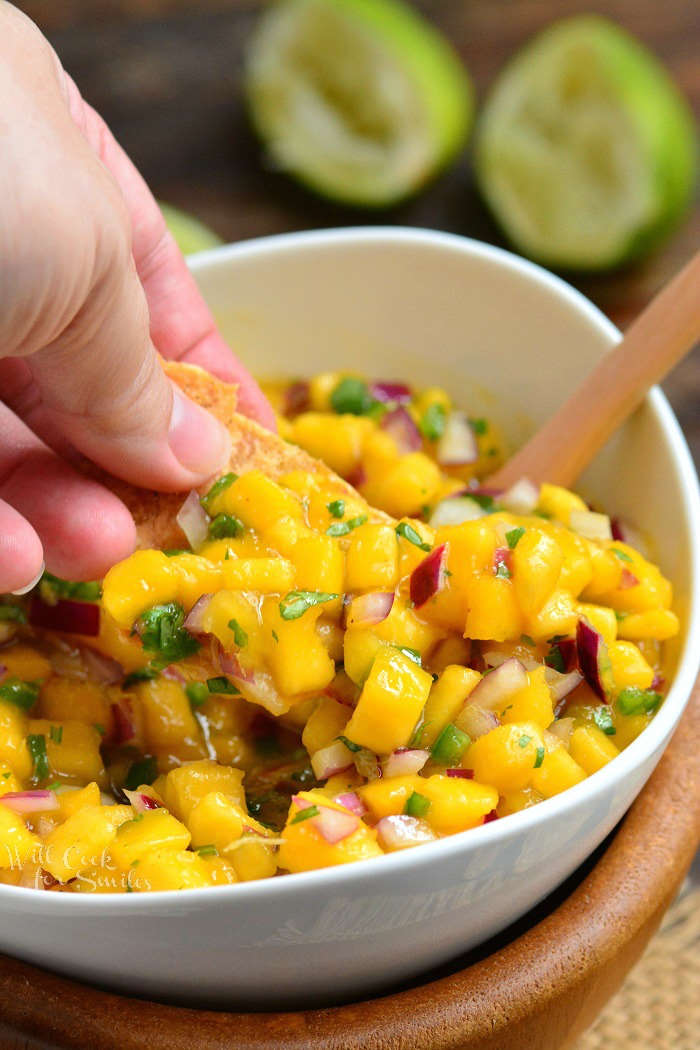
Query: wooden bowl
x,y
539,987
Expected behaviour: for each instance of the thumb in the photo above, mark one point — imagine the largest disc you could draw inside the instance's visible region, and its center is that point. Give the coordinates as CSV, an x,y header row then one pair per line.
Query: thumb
x,y
103,387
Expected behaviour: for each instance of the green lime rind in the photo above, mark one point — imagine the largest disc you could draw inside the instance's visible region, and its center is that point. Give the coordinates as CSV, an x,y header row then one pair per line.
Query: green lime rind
x,y
190,234
652,113
398,36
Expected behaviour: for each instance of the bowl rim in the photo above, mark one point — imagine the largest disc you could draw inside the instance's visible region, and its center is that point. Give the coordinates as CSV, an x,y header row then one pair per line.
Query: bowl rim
x,y
660,729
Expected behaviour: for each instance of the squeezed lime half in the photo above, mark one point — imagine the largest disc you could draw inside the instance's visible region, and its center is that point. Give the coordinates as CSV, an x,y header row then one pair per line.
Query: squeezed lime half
x,y
190,234
585,149
361,100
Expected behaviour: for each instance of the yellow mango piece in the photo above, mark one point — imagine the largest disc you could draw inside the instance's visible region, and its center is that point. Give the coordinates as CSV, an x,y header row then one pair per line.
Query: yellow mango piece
x,y
576,570
629,667
304,848
319,565
606,569
372,558
291,638
533,703
17,844
170,870
258,501
628,727
537,563
73,749
327,721
220,871
390,703
651,591
517,801
187,785
360,646
79,843
169,722
455,804
410,555
144,579
20,661
263,575
13,732
446,699
195,576
493,610
601,618
558,772
155,829
406,487
71,800
379,452
68,698
591,748
102,878
219,821
506,757
557,616
559,502
338,440
321,387
658,624
8,780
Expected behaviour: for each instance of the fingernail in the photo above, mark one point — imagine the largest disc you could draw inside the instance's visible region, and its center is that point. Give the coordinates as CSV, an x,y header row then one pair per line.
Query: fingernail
x,y
30,586
199,441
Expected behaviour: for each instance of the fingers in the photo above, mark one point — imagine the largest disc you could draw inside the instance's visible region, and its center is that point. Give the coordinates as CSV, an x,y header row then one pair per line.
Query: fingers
x,y
181,325
48,511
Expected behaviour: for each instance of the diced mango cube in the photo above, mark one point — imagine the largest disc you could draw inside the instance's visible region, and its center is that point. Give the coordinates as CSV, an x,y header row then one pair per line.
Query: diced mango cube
x,y
372,560
493,610
144,579
170,870
79,843
187,785
591,748
537,563
507,756
532,703
446,699
156,829
327,721
629,667
304,847
17,843
390,704
558,772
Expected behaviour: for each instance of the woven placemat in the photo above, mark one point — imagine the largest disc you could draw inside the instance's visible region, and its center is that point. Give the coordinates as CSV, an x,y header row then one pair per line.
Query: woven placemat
x,y
658,1007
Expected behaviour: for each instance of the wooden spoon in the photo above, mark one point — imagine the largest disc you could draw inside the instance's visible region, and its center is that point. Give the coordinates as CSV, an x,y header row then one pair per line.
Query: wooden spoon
x,y
662,334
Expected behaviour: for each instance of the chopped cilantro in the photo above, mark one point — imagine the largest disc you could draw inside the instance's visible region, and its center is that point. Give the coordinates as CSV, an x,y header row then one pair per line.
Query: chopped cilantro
x,y
100,728
36,745
224,526
162,632
603,719
514,535
22,694
222,685
217,488
336,508
196,693
342,528
351,396
295,604
143,674
53,785
485,501
13,612
239,635
56,734
208,851
635,701
6,776
143,771
527,639
304,814
524,740
52,588
621,554
350,744
539,757
412,654
479,426
450,746
620,616
555,659
172,552
432,422
275,635
417,805
410,534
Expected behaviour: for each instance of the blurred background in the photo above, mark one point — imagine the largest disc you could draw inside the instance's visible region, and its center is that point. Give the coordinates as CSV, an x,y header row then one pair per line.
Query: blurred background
x,y
167,76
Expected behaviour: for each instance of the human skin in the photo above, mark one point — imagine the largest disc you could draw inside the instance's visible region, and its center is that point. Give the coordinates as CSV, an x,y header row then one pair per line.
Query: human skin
x,y
92,289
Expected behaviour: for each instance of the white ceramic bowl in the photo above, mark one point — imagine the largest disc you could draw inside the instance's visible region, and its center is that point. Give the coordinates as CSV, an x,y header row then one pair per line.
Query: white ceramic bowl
x,y
509,340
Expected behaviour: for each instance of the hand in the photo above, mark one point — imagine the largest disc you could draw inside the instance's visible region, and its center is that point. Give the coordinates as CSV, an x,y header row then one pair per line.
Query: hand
x,y
92,285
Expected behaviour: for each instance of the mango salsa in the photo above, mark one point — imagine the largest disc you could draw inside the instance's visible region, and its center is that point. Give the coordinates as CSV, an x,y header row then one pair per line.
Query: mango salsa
x,y
325,666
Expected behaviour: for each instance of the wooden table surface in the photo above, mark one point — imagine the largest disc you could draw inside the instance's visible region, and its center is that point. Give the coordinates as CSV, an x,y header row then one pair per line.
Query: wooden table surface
x,y
165,74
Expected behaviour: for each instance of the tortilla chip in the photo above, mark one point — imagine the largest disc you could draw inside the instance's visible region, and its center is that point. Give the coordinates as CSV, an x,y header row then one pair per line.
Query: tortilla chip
x,y
253,448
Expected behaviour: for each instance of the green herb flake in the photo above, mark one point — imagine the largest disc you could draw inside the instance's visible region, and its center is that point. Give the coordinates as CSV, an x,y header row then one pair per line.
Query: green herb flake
x,y
555,660
162,632
53,785
21,694
6,776
350,744
352,397
217,488
13,612
296,603
412,654
208,851
239,635
450,746
143,674
524,740
173,552
275,636
483,500
336,508
635,701
620,554
539,757
479,426
222,685
99,727
142,771
602,717
432,422
513,536
410,534
620,616
417,805
56,734
527,640
304,814
225,526
52,588
197,693
342,528
36,745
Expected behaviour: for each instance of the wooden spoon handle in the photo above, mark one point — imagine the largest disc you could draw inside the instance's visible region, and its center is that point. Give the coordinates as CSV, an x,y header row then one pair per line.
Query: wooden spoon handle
x,y
662,334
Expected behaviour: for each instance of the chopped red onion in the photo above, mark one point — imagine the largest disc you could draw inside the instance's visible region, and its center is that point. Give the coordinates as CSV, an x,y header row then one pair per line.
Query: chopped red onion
x,y
297,398
590,525
458,445
561,729
520,498
389,392
494,658
140,801
499,684
327,761
194,521
399,425
592,654
194,621
351,801
503,556
659,682
30,801
463,774
66,615
368,609
568,650
627,580
173,674
102,668
429,576
493,815
475,720
122,717
455,511
560,685
402,831
334,825
404,762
